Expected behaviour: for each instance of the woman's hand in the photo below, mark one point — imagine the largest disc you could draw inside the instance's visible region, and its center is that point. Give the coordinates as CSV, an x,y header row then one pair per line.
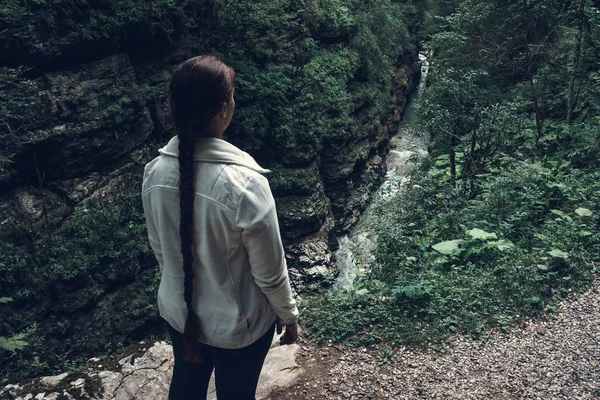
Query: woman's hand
x,y
291,333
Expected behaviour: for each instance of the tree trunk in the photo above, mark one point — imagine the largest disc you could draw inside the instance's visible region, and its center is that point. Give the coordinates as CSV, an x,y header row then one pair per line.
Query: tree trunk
x,y
572,100
538,118
452,155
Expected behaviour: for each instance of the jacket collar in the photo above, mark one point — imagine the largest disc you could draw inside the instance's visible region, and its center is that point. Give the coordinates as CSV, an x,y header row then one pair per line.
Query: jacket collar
x,y
215,150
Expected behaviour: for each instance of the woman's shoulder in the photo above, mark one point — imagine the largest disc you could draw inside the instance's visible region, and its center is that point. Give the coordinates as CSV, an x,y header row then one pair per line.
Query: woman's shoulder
x,y
160,171
243,178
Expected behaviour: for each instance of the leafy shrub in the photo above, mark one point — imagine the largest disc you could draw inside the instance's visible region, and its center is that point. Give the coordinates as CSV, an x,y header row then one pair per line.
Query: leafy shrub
x,y
99,249
14,342
447,265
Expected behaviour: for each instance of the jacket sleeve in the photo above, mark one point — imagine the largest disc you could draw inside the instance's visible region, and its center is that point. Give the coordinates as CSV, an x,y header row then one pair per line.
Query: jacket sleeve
x,y
257,218
153,236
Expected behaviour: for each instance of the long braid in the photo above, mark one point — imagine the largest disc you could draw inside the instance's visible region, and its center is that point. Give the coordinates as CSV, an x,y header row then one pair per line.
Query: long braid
x,y
186,224
199,88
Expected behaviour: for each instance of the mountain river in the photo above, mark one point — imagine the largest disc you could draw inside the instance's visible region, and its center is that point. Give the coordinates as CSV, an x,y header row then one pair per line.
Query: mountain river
x,y
406,147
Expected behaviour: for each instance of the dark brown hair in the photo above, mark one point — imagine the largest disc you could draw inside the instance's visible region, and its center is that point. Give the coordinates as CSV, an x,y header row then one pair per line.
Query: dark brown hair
x,y
199,87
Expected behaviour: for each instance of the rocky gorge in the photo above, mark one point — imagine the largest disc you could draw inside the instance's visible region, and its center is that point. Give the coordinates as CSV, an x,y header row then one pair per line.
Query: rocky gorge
x,y
85,106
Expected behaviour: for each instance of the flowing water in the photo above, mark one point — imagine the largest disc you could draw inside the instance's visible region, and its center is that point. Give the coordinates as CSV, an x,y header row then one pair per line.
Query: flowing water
x,y
406,147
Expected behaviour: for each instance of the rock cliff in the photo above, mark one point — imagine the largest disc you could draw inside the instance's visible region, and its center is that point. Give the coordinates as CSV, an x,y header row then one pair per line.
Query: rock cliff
x,y
84,105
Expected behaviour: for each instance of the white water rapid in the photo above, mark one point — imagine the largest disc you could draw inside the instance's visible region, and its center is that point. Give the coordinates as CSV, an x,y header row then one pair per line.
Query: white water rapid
x,y
406,147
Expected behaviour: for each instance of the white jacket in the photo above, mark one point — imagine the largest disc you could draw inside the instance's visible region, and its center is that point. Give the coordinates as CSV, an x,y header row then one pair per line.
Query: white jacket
x,y
241,283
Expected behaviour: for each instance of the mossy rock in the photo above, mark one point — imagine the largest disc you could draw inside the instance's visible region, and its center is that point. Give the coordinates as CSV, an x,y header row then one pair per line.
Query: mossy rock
x,y
294,181
300,216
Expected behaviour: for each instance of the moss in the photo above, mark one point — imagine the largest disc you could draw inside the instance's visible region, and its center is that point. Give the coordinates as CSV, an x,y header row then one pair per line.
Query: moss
x,y
300,216
298,181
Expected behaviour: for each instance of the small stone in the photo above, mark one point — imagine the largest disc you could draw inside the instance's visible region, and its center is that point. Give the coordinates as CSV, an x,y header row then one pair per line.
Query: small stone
x,y
52,381
78,383
540,330
9,387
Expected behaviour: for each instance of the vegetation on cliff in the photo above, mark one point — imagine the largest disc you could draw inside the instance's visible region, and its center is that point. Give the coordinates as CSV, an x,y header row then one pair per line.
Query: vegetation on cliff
x,y
503,219
83,105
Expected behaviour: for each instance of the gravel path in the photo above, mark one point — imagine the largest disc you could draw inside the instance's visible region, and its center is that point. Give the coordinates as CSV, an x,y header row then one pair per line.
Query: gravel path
x,y
554,359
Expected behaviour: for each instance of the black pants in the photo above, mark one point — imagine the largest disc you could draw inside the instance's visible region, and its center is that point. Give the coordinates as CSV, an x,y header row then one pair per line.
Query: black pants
x,y
236,371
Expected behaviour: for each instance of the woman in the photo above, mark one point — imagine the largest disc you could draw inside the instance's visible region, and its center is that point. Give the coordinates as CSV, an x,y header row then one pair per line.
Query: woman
x,y
213,227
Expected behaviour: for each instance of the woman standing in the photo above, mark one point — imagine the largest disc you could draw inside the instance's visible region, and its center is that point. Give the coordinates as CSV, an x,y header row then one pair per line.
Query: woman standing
x,y
213,227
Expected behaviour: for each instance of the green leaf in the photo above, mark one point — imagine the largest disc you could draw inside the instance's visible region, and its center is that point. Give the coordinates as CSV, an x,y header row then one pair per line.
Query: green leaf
x,y
362,292
562,215
441,260
13,344
4,300
502,244
477,233
542,267
583,212
434,172
359,273
471,248
558,253
450,247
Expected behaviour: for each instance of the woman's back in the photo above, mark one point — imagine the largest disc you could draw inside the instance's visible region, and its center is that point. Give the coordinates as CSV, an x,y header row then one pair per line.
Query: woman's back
x,y
232,205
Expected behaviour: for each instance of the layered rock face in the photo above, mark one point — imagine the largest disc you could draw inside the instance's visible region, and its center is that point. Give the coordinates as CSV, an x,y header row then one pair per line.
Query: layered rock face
x,y
82,111
87,120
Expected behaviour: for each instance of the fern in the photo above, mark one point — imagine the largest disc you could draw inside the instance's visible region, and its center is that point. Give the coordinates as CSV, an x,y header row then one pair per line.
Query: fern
x,y
13,343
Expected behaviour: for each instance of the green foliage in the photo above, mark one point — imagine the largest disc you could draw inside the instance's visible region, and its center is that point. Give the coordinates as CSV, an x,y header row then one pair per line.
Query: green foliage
x,y
97,250
294,181
14,342
103,244
427,284
75,22
498,83
310,72
502,220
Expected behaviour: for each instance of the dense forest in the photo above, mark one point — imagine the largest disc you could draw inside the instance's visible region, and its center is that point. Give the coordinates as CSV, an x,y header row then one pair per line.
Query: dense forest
x,y
502,219
497,224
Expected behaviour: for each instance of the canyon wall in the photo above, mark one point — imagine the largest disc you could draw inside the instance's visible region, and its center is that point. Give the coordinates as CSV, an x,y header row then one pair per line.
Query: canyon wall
x,y
82,111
